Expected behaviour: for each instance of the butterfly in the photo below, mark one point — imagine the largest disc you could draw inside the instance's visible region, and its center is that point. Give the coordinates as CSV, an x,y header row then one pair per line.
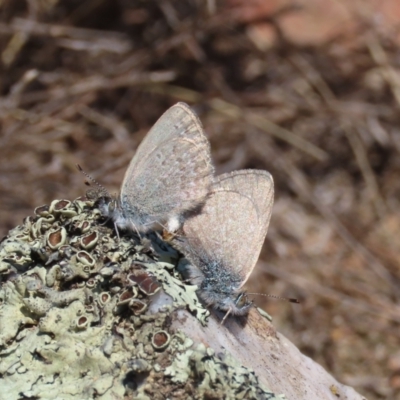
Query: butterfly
x,y
170,174
223,242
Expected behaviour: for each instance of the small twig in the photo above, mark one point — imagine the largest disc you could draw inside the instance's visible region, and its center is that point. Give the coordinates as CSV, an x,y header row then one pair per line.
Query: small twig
x,y
356,144
380,57
58,31
109,122
98,82
268,126
178,92
366,169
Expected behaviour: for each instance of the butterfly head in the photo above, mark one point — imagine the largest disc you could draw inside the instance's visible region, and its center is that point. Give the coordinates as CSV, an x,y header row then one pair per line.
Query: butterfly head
x,y
107,206
110,208
233,302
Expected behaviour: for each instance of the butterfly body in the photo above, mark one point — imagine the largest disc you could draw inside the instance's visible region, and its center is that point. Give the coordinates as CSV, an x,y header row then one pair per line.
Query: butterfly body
x,y
223,291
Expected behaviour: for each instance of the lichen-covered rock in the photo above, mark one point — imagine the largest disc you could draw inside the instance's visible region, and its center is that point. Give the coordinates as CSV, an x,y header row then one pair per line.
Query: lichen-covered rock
x,y
77,322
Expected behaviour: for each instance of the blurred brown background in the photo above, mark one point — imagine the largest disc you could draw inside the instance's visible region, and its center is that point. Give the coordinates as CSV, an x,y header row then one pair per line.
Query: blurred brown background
x,y
309,90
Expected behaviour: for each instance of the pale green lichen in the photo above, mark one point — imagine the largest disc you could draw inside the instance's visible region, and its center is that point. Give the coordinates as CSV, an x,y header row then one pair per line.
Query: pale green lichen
x,y
214,376
182,295
74,326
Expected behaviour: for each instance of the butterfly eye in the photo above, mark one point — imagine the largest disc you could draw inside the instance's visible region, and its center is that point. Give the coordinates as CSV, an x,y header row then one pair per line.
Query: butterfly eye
x,y
242,300
112,205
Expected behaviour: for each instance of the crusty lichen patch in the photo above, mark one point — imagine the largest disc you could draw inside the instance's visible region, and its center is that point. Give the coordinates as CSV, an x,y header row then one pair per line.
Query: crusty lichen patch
x,y
75,321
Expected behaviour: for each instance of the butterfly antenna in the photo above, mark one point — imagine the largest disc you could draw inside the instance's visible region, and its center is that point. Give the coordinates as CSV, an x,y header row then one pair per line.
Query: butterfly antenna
x,y
291,300
103,190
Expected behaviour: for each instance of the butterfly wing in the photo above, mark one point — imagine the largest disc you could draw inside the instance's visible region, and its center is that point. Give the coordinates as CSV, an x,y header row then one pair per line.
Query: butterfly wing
x,y
171,171
232,226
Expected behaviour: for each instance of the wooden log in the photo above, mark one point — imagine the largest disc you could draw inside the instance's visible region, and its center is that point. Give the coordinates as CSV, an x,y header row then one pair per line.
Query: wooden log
x,y
86,315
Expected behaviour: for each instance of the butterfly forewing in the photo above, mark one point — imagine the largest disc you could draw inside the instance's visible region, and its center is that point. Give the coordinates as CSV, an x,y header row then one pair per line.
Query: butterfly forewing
x,y
171,170
258,186
231,228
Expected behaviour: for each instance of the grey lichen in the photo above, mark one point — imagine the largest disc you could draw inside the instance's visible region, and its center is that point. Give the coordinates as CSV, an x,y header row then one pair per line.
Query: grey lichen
x,y
76,319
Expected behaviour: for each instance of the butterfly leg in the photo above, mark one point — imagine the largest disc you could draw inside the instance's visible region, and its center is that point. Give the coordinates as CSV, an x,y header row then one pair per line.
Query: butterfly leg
x,y
226,315
133,226
117,231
